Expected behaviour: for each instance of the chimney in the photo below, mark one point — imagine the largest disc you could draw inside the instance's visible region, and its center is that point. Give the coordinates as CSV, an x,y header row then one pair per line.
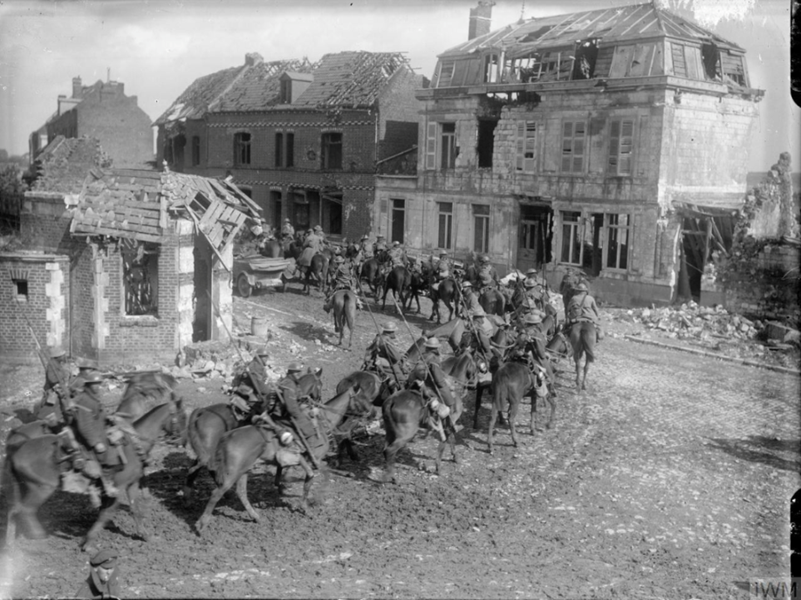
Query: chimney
x,y
77,87
253,58
480,19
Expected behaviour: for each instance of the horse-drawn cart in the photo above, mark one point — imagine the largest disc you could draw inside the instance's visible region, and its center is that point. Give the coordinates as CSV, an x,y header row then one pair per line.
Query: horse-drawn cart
x,y
255,271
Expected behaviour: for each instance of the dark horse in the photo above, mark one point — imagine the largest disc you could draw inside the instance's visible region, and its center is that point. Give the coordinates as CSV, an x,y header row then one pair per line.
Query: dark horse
x,y
143,390
582,339
344,304
208,424
316,271
240,449
398,280
448,292
404,413
33,471
510,383
493,302
370,271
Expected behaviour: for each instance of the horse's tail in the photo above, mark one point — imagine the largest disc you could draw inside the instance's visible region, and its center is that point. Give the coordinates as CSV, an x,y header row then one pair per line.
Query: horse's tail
x,y
349,310
193,438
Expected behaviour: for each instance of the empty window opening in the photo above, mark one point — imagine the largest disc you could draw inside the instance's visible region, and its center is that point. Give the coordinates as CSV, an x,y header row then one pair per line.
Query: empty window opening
x,y
331,212
486,142
331,154
618,232
242,149
21,286
584,65
140,272
581,238
284,149
446,74
286,91
398,223
710,55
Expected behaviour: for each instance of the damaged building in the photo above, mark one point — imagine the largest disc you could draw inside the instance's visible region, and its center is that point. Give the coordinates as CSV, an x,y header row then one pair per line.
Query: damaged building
x,y
119,265
303,140
611,140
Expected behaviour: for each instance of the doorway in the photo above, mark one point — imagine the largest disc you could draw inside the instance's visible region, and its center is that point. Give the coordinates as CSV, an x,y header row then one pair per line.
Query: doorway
x,y
202,280
535,237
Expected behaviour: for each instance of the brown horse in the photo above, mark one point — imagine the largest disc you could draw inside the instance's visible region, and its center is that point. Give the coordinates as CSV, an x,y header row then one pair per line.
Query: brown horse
x,y
344,305
208,424
144,390
33,472
240,449
398,280
582,339
374,390
510,383
370,271
448,292
318,270
404,413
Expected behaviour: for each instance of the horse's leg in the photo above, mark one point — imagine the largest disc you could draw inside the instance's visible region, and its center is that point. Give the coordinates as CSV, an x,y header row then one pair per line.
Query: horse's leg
x,y
216,495
552,401
586,368
577,358
532,421
307,483
135,500
391,450
33,496
191,476
514,405
479,392
242,493
106,512
279,484
491,426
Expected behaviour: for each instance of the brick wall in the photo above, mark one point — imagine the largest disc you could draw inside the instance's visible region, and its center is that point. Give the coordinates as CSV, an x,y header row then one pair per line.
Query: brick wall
x,y
398,111
121,126
45,222
45,306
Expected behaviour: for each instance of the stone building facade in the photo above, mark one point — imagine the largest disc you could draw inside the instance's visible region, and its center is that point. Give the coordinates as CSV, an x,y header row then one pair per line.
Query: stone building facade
x,y
601,140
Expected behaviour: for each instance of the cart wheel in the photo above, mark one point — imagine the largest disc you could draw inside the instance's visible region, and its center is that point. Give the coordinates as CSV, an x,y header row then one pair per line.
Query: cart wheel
x,y
243,286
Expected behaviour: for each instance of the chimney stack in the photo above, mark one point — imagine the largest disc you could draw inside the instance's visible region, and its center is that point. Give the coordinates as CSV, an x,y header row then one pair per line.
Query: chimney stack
x,y
77,87
253,58
480,19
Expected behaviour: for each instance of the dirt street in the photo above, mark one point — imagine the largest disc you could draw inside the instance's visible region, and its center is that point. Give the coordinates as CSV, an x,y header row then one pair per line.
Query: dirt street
x,y
670,477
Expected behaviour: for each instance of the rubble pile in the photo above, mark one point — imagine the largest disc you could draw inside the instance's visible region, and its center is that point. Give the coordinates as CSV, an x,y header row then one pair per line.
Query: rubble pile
x,y
717,329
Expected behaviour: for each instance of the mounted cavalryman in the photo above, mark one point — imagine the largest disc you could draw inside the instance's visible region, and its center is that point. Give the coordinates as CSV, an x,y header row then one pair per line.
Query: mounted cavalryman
x,y
531,344
382,353
487,276
428,371
582,308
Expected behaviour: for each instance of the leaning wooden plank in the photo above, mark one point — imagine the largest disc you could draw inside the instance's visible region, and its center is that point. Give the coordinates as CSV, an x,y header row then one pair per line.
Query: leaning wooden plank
x,y
136,235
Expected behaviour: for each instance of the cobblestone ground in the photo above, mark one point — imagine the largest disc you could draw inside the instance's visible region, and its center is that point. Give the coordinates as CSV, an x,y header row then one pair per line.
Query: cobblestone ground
x,y
670,477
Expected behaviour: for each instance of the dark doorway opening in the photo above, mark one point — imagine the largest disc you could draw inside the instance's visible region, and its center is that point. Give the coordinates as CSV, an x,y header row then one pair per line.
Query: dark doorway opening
x,y
486,142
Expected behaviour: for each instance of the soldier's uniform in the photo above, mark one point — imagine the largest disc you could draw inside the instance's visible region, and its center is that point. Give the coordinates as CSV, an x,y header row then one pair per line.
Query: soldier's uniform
x,y
288,409
343,280
243,402
287,230
397,255
531,342
429,371
383,347
56,403
444,267
582,307
90,429
487,276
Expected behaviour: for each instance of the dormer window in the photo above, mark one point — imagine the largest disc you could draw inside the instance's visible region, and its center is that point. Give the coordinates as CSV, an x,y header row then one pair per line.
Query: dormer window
x,y
490,68
286,91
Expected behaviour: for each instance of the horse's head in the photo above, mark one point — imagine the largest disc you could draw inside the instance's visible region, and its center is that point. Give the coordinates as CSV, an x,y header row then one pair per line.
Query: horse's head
x,y
176,424
311,384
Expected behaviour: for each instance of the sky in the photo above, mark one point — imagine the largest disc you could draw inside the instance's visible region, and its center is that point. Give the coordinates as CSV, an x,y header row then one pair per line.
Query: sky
x,y
157,48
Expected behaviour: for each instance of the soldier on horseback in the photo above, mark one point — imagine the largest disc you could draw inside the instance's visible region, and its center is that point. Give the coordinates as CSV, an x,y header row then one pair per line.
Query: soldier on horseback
x,y
243,402
531,346
382,354
287,409
397,255
90,430
428,372
287,231
582,308
343,280
487,276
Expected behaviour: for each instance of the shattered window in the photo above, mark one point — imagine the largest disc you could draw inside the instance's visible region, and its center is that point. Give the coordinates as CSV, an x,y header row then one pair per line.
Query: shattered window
x,y
242,149
331,151
584,65
140,274
446,74
621,146
618,231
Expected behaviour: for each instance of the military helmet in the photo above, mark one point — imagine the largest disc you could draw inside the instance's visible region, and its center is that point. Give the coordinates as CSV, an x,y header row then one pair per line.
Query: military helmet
x,y
57,351
86,363
531,272
244,390
389,327
467,285
485,259
582,287
396,243
533,318
294,368
339,259
432,343
318,228
365,237
92,377
530,283
287,221
443,253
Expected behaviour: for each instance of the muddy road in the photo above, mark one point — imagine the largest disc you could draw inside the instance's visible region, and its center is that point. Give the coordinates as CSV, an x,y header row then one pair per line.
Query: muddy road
x,y
670,477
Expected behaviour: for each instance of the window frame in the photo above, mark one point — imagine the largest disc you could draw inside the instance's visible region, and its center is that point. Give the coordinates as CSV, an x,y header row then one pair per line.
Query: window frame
x,y
195,150
243,149
328,141
612,235
526,143
570,153
481,227
448,150
574,242
444,225
617,155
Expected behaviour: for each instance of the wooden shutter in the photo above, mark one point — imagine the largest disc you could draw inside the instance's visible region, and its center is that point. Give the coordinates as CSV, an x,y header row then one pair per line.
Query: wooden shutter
x,y
431,146
521,144
626,147
614,146
529,147
679,63
552,146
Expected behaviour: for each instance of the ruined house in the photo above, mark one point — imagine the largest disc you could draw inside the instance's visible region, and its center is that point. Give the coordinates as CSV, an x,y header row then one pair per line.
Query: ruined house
x,y
101,111
612,140
119,265
303,140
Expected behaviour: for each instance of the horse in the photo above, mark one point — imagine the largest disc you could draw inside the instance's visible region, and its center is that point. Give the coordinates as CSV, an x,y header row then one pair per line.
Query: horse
x,y
32,473
240,448
493,302
510,383
370,271
448,292
397,280
318,269
582,339
373,388
208,424
144,389
404,413
272,249
344,305
558,346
